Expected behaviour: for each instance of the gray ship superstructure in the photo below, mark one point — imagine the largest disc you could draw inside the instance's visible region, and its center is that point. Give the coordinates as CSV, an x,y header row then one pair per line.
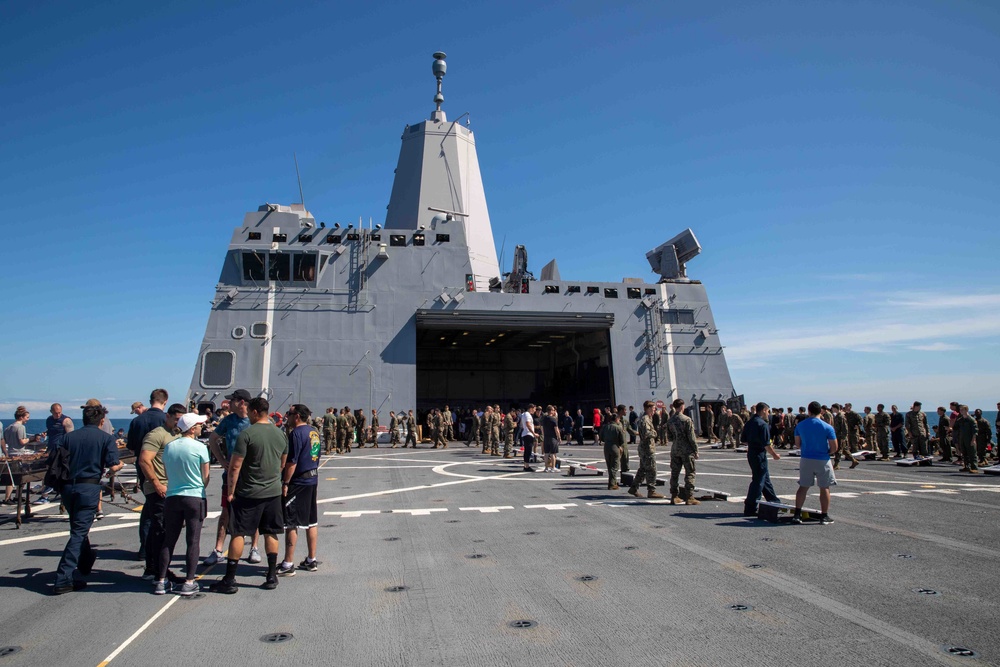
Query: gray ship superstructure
x,y
415,312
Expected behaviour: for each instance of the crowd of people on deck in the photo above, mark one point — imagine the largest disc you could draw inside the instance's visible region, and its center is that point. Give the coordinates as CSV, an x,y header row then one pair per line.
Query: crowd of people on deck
x,y
270,463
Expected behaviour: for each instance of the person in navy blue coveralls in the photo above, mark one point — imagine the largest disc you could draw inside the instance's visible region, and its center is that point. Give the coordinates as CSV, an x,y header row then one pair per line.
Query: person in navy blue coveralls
x,y
91,450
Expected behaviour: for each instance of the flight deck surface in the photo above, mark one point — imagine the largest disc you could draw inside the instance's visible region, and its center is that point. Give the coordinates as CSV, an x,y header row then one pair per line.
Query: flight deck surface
x,y
449,557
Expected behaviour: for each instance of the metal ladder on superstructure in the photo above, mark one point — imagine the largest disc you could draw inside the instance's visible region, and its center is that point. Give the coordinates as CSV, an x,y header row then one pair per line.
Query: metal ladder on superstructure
x,y
357,294
654,343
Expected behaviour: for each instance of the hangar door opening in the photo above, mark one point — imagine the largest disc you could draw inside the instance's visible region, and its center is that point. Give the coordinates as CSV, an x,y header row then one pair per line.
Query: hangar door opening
x,y
470,358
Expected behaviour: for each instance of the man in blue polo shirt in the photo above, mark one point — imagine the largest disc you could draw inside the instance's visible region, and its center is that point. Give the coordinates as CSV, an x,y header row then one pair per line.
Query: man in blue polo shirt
x,y
817,441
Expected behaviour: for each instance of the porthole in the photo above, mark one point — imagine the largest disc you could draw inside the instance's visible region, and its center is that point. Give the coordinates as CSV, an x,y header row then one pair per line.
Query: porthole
x,y
239,332
258,330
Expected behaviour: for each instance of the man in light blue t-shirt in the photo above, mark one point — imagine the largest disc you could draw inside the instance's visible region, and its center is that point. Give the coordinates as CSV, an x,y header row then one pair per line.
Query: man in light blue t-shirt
x,y
186,462
817,441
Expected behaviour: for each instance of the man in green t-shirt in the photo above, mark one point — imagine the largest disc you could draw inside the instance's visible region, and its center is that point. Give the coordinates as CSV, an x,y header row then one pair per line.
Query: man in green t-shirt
x,y
154,485
254,489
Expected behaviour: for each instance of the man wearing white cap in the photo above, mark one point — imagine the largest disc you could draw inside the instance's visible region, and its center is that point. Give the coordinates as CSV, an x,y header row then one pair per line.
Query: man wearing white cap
x,y
185,461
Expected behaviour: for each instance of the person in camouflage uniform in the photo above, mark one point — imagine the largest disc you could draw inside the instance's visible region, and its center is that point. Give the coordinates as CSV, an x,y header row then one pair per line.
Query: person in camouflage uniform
x,y
854,423
613,437
487,428
916,427
882,420
843,446
965,435
360,430
710,425
495,431
944,439
447,424
510,426
868,424
352,427
374,428
329,431
436,422
411,429
393,430
647,453
343,443
682,455
723,426
984,435
477,426
736,425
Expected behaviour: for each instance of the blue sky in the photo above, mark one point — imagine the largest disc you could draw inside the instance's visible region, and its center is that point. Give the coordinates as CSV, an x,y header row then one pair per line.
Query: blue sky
x,y
837,161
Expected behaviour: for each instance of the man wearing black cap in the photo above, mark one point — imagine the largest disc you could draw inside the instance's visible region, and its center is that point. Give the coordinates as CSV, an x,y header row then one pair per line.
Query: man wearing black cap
x,y
91,451
138,429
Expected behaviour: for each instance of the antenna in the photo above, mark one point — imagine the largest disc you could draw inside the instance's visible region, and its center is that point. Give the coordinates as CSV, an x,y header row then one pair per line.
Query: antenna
x,y
302,199
503,247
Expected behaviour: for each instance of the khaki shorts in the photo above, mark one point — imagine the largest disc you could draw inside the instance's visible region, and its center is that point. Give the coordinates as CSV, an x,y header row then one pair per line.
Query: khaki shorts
x,y
815,471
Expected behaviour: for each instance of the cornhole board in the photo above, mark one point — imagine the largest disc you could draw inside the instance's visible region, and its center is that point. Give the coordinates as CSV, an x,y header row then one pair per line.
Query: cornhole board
x,y
628,478
910,463
576,468
866,455
782,513
793,453
991,470
710,494
741,449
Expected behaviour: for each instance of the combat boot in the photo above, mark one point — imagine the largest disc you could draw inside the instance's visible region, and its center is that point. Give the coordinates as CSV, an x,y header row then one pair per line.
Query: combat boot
x,y
654,494
633,491
692,501
613,487
676,500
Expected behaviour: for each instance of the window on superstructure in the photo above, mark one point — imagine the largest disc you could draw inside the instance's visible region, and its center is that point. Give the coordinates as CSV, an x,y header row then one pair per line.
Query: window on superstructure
x,y
673,316
217,367
633,292
610,292
304,268
254,265
279,268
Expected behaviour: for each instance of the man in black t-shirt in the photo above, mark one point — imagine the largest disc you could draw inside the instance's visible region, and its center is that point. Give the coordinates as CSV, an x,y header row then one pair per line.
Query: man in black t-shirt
x,y
756,436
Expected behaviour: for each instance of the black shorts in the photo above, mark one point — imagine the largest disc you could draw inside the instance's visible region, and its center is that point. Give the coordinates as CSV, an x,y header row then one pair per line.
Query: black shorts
x,y
299,505
550,447
248,515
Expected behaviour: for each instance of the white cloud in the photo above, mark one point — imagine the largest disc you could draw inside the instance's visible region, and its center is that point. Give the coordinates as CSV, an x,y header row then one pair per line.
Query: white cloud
x,y
865,335
937,301
935,347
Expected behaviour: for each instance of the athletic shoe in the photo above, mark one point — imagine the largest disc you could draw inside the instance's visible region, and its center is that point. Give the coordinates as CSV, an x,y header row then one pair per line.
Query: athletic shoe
x,y
285,570
227,587
270,584
309,565
162,588
187,589
797,518
254,556
99,516
215,557
824,520
529,469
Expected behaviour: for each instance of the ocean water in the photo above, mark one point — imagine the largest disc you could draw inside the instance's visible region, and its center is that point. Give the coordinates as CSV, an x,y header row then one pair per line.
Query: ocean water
x,y
33,426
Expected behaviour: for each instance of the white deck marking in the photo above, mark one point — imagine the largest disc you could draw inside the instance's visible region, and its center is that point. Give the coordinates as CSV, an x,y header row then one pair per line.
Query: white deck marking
x,y
351,514
486,510
421,512
138,632
63,533
550,506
